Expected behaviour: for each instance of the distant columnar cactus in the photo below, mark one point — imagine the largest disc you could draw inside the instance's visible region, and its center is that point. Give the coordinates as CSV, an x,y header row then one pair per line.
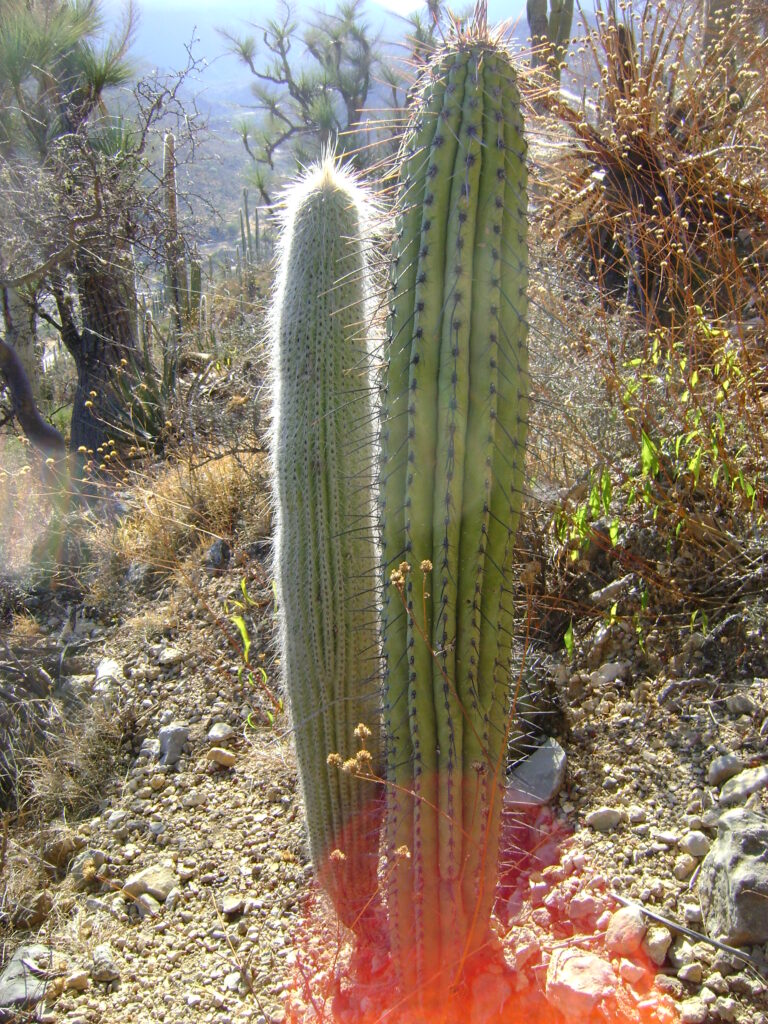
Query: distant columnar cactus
x,y
550,30
325,555
175,273
453,445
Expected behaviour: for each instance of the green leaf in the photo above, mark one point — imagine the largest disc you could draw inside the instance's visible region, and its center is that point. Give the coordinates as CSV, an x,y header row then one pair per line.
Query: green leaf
x,y
649,457
568,640
694,464
594,502
613,532
606,489
239,621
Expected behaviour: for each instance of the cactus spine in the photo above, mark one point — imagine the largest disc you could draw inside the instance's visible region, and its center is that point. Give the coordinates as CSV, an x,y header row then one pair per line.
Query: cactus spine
x,y
325,556
453,442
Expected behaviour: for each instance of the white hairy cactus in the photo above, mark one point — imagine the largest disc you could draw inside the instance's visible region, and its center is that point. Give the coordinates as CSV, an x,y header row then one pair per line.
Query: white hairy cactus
x,y
325,554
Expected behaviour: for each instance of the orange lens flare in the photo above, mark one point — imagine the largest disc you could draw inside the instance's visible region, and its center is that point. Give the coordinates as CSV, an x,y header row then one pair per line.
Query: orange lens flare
x,y
552,964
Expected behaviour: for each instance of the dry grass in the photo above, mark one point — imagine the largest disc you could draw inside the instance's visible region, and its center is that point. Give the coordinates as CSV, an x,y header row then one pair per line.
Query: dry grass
x,y
77,751
186,504
25,505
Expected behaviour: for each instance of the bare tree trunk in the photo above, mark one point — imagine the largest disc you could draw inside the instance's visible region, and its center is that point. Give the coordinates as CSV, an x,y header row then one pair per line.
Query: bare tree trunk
x,y
21,335
39,433
107,337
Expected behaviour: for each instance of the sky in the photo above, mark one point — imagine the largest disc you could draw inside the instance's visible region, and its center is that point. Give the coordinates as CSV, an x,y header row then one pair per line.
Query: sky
x,y
166,27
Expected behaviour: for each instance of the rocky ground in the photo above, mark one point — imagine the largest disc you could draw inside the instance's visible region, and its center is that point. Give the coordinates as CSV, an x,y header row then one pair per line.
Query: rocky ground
x,y
176,890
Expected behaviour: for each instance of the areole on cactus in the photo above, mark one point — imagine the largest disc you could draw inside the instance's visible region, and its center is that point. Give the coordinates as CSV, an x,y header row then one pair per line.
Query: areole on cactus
x,y
325,554
452,462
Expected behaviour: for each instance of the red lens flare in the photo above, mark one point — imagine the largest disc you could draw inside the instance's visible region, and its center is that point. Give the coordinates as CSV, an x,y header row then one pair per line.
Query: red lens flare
x,y
556,961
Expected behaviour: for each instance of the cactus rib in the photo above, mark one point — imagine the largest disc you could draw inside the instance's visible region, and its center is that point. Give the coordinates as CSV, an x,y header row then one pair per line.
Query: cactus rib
x,y
452,473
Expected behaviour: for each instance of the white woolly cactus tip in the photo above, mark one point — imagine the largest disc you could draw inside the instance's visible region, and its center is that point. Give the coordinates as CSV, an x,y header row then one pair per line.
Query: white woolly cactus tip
x,y
325,554
324,178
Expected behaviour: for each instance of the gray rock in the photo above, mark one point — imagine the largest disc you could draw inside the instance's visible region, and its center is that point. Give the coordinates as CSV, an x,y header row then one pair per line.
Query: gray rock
x,y
231,904
724,768
85,867
108,668
148,906
172,738
672,986
733,883
691,973
156,880
220,732
695,843
538,780
170,657
743,785
656,943
604,819
693,1011
684,866
150,748
222,756
173,898
217,556
104,967
108,676
608,673
577,982
726,1008
740,704
681,952
23,982
625,931
584,906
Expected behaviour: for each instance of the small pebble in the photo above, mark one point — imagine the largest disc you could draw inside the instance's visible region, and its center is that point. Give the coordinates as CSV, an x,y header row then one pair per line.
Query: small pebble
x,y
695,843
222,756
656,943
684,867
604,819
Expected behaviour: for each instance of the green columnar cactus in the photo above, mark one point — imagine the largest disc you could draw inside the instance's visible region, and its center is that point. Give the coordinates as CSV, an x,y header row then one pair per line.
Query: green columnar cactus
x,y
246,245
256,236
245,248
453,445
175,273
247,217
552,30
195,287
325,556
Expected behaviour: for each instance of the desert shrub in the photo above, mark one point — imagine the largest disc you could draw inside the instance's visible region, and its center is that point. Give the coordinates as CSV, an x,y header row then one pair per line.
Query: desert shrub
x,y
652,202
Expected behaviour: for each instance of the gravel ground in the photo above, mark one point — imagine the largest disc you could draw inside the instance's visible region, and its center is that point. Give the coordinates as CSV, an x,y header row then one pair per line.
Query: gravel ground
x,y
182,897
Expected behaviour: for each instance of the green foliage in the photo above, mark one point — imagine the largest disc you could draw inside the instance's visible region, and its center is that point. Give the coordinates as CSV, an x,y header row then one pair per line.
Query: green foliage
x,y
255,675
